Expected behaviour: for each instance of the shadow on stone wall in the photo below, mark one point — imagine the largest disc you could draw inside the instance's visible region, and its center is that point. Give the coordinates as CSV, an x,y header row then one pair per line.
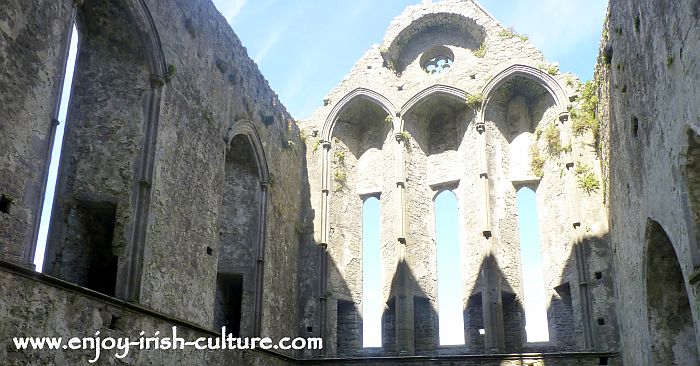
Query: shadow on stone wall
x,y
409,321
581,312
438,124
493,308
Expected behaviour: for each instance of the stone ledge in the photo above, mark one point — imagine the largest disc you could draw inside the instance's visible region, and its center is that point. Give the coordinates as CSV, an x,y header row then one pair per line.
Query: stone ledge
x,y
481,359
29,274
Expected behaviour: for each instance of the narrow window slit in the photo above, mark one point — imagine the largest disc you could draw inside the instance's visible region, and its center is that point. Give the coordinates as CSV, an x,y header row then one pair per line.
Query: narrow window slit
x,y
5,204
56,151
450,290
537,326
371,273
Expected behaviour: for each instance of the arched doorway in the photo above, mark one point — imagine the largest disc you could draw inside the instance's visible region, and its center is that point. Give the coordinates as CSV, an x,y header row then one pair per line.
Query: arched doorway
x,y
672,335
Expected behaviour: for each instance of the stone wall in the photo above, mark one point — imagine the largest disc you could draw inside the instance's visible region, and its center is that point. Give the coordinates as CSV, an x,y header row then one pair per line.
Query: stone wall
x,y
161,90
481,151
33,57
68,311
182,170
647,78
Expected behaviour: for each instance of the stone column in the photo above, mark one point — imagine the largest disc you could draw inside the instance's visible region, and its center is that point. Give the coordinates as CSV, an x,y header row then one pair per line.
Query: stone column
x,y
133,270
484,206
323,255
492,304
404,298
260,262
580,250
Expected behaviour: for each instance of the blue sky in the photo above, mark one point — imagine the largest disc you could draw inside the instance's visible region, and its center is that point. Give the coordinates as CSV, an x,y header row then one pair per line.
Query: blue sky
x,y
449,269
56,154
304,48
535,303
372,304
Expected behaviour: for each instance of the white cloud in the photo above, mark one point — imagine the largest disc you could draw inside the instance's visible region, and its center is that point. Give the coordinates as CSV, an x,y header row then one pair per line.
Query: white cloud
x,y
229,8
269,42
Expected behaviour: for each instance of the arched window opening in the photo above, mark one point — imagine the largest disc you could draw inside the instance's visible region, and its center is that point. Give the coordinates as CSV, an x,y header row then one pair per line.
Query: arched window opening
x,y
100,190
536,324
449,270
56,151
371,274
239,230
692,190
356,169
672,334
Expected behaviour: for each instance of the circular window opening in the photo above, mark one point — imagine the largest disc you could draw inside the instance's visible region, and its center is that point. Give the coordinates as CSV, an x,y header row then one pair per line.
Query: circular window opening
x,y
437,60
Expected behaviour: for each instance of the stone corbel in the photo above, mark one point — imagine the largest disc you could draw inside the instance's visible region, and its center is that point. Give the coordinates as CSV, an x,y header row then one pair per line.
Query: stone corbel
x,y
563,117
480,127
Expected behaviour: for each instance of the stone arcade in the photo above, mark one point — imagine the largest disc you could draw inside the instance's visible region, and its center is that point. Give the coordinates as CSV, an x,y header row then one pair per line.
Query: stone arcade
x,y
188,196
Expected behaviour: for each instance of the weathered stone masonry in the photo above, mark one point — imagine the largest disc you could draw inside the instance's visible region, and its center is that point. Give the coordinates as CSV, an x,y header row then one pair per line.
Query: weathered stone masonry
x,y
187,196
161,90
647,81
433,140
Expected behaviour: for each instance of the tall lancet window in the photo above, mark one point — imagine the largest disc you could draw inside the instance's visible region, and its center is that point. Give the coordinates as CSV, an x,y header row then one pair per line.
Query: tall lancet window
x,y
371,274
449,271
533,276
56,151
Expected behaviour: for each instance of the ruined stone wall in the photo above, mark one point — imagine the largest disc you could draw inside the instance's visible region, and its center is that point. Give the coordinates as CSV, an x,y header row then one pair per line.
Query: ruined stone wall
x,y
105,131
440,145
239,226
32,57
197,113
145,175
151,138
647,75
67,312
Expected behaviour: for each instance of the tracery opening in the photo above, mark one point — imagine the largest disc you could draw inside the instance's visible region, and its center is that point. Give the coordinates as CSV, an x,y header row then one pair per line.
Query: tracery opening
x,y
449,270
536,324
371,274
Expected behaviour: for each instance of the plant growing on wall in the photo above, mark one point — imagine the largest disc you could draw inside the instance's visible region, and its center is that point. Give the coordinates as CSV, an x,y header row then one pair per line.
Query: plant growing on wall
x,y
536,161
581,168
317,143
550,69
583,116
538,132
339,156
340,177
510,33
389,118
553,139
474,101
481,51
587,180
570,81
287,143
